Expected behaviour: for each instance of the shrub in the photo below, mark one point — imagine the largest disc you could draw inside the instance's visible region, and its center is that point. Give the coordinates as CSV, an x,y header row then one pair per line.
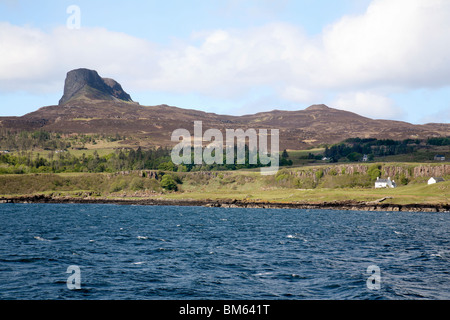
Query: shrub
x,y
168,183
374,171
403,179
305,183
167,166
319,174
137,184
282,177
119,185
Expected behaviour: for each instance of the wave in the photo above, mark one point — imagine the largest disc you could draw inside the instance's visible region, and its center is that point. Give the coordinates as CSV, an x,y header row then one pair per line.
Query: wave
x,y
261,274
41,239
443,254
295,236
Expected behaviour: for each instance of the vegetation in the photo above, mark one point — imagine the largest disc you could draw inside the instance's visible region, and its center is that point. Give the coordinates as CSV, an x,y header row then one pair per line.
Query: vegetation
x,y
289,185
50,141
59,154
374,172
103,166
168,183
65,161
354,149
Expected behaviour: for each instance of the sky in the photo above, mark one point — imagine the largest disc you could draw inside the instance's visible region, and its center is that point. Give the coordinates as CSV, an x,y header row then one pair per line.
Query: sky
x,y
383,59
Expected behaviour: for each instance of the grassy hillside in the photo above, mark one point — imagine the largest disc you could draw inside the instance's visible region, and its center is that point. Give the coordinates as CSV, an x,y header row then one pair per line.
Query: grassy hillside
x,y
306,185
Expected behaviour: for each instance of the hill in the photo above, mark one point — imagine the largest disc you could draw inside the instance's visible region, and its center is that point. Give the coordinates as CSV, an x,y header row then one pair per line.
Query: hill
x,y
92,104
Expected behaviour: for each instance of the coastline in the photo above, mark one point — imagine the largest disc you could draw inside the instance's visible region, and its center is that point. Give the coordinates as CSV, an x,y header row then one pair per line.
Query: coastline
x,y
234,203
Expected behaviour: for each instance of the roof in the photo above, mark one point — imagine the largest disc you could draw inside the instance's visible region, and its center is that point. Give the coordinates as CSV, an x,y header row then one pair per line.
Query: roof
x,y
438,178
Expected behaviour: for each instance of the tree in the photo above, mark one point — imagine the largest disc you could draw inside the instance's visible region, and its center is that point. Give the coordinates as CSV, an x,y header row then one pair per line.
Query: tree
x,y
168,183
167,166
354,156
374,172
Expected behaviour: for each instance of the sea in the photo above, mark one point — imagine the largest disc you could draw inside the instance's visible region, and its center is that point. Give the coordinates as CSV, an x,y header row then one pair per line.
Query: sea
x,y
127,252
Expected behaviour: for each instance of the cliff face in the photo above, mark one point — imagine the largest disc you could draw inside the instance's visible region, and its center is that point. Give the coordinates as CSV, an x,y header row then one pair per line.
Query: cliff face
x,y
117,90
85,82
432,171
387,170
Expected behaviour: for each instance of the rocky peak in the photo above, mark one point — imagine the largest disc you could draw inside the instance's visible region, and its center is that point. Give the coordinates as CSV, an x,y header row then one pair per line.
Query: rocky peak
x,y
117,90
87,83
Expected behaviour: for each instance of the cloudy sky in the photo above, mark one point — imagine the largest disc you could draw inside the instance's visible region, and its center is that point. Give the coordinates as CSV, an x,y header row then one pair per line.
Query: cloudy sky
x,y
385,59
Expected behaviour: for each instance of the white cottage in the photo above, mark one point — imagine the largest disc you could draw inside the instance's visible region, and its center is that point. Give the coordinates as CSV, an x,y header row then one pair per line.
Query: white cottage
x,y
434,180
385,183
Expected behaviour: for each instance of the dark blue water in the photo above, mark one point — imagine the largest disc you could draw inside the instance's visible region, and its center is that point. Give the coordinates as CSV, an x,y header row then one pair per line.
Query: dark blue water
x,y
145,252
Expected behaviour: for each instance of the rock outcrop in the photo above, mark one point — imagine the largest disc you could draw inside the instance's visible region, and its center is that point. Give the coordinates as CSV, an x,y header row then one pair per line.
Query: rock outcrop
x,y
85,82
387,170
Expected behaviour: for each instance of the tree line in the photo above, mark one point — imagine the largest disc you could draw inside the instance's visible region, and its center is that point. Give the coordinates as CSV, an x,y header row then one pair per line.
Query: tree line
x,y
59,159
355,148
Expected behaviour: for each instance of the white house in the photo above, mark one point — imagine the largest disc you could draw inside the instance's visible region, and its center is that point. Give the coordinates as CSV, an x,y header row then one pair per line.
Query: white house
x,y
439,157
385,183
433,180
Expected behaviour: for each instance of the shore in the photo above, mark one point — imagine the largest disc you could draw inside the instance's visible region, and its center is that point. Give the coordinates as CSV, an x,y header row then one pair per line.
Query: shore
x,y
377,205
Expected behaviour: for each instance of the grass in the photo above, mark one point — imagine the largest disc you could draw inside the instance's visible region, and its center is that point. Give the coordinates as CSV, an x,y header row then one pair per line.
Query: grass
x,y
243,184
258,191
90,151
300,157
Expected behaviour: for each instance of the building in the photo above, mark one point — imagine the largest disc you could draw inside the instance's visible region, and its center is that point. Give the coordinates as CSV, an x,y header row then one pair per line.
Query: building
x,y
365,158
434,180
385,183
439,157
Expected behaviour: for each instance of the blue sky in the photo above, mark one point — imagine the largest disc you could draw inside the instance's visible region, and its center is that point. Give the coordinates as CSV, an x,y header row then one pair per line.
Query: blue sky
x,y
379,58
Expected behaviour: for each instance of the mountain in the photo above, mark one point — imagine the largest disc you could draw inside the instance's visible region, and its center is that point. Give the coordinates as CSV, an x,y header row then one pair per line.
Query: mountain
x,y
85,83
92,104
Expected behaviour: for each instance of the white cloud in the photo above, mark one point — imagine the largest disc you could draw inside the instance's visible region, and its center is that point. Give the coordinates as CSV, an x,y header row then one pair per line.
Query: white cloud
x,y
402,42
229,62
32,60
399,44
368,104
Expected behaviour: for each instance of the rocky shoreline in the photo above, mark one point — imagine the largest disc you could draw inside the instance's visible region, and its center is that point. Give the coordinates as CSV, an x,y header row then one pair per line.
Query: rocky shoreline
x,y
378,205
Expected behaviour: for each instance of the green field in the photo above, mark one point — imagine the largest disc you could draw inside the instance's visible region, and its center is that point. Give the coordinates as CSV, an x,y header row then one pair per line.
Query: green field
x,y
255,188
243,184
